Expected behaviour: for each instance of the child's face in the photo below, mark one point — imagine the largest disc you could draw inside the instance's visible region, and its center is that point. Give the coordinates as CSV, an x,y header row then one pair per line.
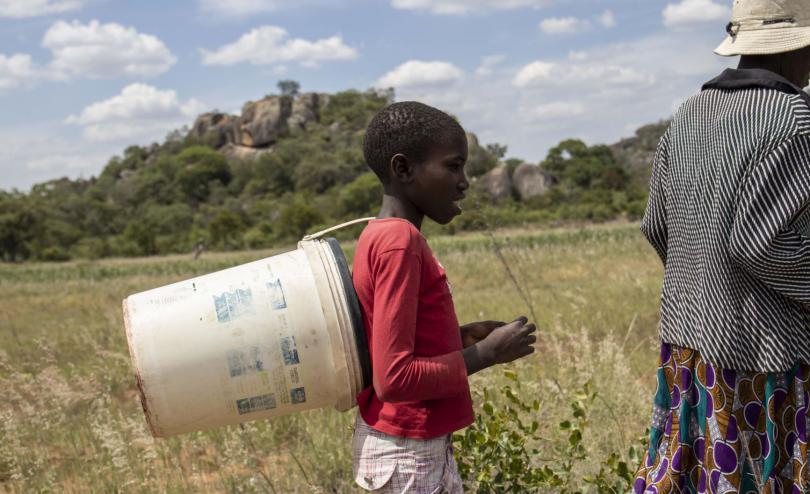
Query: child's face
x,y
439,182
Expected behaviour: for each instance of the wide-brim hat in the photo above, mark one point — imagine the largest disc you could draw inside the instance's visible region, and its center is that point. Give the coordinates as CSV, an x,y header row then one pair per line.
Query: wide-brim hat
x,y
765,27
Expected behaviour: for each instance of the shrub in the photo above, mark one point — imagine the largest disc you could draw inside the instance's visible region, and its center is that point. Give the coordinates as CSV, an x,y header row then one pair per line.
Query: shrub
x,y
202,165
225,229
362,196
258,237
142,236
92,248
353,108
499,452
297,217
54,253
479,161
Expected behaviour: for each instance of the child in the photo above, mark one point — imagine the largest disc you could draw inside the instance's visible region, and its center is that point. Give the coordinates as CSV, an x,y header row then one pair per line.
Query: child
x,y
420,356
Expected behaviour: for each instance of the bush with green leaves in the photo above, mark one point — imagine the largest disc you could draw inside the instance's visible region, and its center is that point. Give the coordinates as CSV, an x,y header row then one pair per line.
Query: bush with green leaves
x,y
226,230
362,197
297,217
504,450
201,167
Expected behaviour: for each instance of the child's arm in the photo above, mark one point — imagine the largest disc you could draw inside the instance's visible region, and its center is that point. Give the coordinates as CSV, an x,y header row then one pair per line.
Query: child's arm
x,y
398,374
474,332
504,344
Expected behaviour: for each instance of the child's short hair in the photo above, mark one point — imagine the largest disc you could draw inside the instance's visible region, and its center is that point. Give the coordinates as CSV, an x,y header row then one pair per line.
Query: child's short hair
x,y
407,127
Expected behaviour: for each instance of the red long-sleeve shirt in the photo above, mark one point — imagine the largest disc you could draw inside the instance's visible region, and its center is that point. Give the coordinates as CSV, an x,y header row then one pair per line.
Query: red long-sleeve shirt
x,y
420,387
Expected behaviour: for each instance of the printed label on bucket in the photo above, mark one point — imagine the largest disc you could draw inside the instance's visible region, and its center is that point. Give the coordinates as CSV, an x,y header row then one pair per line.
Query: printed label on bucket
x,y
297,395
289,351
276,293
256,404
231,305
294,377
244,361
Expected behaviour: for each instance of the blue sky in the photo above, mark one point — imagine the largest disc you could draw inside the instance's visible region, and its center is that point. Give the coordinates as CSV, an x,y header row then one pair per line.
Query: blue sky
x,y
82,79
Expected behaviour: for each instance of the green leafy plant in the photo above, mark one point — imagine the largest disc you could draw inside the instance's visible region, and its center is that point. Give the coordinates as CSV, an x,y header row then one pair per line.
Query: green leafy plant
x,y
495,454
504,449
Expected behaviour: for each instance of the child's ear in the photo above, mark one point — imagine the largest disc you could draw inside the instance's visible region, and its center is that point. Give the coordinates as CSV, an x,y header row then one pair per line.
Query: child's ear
x,y
401,169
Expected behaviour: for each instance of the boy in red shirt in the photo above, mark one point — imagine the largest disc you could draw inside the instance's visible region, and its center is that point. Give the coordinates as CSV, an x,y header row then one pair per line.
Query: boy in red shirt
x,y
420,357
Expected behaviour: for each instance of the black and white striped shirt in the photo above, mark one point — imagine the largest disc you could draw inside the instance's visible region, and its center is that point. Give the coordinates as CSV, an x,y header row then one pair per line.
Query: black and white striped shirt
x,y
729,215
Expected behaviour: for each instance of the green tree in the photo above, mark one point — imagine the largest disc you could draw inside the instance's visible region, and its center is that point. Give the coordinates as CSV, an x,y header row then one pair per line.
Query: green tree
x,y
479,161
142,236
201,166
226,229
288,87
354,109
17,226
498,150
362,196
576,166
297,217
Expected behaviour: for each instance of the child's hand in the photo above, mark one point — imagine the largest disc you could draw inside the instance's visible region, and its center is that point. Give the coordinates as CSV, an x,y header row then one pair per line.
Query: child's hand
x,y
508,342
476,331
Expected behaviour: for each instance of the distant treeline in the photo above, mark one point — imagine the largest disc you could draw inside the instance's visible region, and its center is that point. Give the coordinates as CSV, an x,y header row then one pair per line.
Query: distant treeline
x,y
169,197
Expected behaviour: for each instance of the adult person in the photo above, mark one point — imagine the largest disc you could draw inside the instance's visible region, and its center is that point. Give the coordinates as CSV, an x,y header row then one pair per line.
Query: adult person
x,y
729,215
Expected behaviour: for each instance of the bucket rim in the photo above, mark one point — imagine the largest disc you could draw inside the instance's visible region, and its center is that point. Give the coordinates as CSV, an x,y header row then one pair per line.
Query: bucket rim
x,y
355,315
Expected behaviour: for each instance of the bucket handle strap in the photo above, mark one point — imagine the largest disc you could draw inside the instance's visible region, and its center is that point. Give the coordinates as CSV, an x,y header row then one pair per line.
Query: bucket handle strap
x,y
321,233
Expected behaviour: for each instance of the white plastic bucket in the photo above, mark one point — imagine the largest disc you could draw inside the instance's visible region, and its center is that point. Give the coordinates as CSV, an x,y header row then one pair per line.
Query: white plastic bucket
x,y
264,339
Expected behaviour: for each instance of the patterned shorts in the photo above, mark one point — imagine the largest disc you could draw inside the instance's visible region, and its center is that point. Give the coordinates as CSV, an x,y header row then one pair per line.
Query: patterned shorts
x,y
391,464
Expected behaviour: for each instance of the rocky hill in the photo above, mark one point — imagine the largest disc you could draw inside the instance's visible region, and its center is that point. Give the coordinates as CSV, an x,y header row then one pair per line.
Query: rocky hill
x,y
636,153
260,125
291,163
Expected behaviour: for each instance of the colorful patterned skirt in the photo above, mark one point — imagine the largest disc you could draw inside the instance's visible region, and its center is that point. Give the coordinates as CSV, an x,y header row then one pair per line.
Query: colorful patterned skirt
x,y
722,431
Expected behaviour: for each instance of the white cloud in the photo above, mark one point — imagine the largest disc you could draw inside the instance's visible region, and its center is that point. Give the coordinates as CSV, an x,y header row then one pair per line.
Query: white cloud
x,y
243,8
98,50
563,25
15,70
607,19
458,7
534,73
268,45
687,13
488,65
17,9
59,163
420,73
92,50
578,56
139,110
599,95
557,110
544,74
35,153
238,8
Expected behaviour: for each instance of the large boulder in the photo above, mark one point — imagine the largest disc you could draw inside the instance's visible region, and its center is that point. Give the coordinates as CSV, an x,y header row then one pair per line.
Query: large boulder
x,y
323,101
496,183
531,181
261,123
232,150
305,109
218,128
636,153
472,140
264,121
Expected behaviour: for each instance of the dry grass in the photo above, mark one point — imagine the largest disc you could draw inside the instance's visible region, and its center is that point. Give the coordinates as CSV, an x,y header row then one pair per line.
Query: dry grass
x,y
70,420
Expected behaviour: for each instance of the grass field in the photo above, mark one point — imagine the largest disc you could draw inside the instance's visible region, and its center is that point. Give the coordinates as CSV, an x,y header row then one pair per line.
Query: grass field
x,y
70,420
